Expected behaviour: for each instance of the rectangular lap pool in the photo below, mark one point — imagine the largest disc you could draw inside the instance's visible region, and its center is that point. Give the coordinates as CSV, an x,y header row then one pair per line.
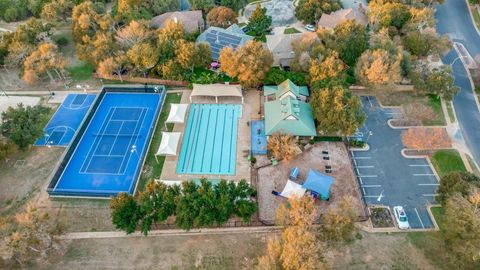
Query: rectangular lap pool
x,y
209,144
109,155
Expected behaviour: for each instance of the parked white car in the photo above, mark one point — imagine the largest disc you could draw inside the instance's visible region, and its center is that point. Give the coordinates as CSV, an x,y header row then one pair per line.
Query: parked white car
x,y
310,27
401,217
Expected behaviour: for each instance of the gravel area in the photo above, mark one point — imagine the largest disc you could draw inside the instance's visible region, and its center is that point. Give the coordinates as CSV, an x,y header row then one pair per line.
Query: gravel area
x,y
275,177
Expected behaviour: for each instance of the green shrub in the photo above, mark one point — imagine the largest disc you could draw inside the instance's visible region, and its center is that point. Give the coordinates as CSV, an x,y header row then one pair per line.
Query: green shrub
x,y
276,76
61,40
356,143
10,14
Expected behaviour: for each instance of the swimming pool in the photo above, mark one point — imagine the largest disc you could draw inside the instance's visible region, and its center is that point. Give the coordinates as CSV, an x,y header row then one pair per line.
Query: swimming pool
x,y
110,152
209,144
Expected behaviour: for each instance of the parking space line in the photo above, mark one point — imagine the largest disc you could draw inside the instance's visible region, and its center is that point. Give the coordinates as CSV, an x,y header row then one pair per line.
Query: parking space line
x,y
373,196
368,176
360,179
423,174
429,195
362,157
419,165
423,227
429,184
366,166
367,186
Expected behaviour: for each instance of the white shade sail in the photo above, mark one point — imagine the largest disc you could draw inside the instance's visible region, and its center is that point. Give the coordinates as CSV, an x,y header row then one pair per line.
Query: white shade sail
x,y
177,113
216,90
292,190
169,143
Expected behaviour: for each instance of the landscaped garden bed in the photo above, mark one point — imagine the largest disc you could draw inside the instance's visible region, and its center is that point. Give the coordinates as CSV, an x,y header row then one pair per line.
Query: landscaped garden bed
x,y
381,217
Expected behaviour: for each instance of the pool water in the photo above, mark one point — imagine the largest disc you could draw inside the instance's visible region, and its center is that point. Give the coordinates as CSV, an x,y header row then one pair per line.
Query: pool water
x,y
209,145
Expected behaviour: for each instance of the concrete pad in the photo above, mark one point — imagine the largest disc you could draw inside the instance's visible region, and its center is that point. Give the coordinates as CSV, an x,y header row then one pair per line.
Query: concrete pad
x,y
13,101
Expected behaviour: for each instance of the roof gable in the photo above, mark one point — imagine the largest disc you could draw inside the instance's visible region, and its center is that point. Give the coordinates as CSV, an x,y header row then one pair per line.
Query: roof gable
x,y
290,116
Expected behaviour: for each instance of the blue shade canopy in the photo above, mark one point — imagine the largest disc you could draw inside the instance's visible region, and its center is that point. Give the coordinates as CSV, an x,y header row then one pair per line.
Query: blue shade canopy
x,y
319,183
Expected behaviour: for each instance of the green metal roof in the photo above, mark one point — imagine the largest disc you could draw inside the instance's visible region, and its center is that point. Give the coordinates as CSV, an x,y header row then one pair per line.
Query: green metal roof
x,y
285,87
290,116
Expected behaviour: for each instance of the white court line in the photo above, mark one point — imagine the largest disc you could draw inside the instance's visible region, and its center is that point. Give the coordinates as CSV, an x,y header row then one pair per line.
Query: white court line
x,y
361,182
368,186
419,165
113,156
423,174
429,195
361,167
368,176
423,227
428,184
362,157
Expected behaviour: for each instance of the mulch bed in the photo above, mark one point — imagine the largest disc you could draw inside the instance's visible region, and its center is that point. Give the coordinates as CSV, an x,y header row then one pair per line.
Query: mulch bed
x,y
381,217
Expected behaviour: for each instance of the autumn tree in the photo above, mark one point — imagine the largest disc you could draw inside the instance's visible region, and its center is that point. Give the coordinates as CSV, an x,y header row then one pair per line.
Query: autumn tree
x,y
58,10
113,66
330,68
297,247
143,57
283,146
338,223
23,125
378,67
420,138
259,22
20,44
134,33
461,230
310,11
460,183
43,61
34,238
125,212
336,110
388,13
221,17
249,63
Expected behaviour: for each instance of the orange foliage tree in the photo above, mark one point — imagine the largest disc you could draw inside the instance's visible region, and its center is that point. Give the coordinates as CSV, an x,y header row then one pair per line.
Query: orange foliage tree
x,y
426,138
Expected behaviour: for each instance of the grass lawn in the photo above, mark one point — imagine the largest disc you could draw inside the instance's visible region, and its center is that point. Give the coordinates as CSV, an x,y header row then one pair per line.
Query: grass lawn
x,y
476,16
403,98
152,169
291,30
436,104
81,72
451,115
431,243
446,161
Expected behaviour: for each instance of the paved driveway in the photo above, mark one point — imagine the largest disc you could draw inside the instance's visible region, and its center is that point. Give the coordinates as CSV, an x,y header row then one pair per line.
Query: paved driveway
x,y
385,176
455,21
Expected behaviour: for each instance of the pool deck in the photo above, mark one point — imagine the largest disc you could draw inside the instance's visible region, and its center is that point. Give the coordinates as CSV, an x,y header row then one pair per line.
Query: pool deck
x,y
242,170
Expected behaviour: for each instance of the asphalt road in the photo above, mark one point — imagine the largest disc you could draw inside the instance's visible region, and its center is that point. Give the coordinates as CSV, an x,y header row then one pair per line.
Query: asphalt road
x,y
455,21
385,176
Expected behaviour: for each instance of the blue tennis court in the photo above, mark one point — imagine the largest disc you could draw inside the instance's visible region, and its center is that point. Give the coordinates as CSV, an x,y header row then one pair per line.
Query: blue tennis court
x,y
62,127
210,141
109,155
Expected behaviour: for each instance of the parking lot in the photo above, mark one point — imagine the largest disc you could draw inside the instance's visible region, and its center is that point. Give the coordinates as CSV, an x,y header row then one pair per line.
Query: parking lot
x,y
385,176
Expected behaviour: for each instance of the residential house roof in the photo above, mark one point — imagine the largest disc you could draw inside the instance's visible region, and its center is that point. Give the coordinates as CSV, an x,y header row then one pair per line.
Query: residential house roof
x,y
191,20
281,47
331,20
218,38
